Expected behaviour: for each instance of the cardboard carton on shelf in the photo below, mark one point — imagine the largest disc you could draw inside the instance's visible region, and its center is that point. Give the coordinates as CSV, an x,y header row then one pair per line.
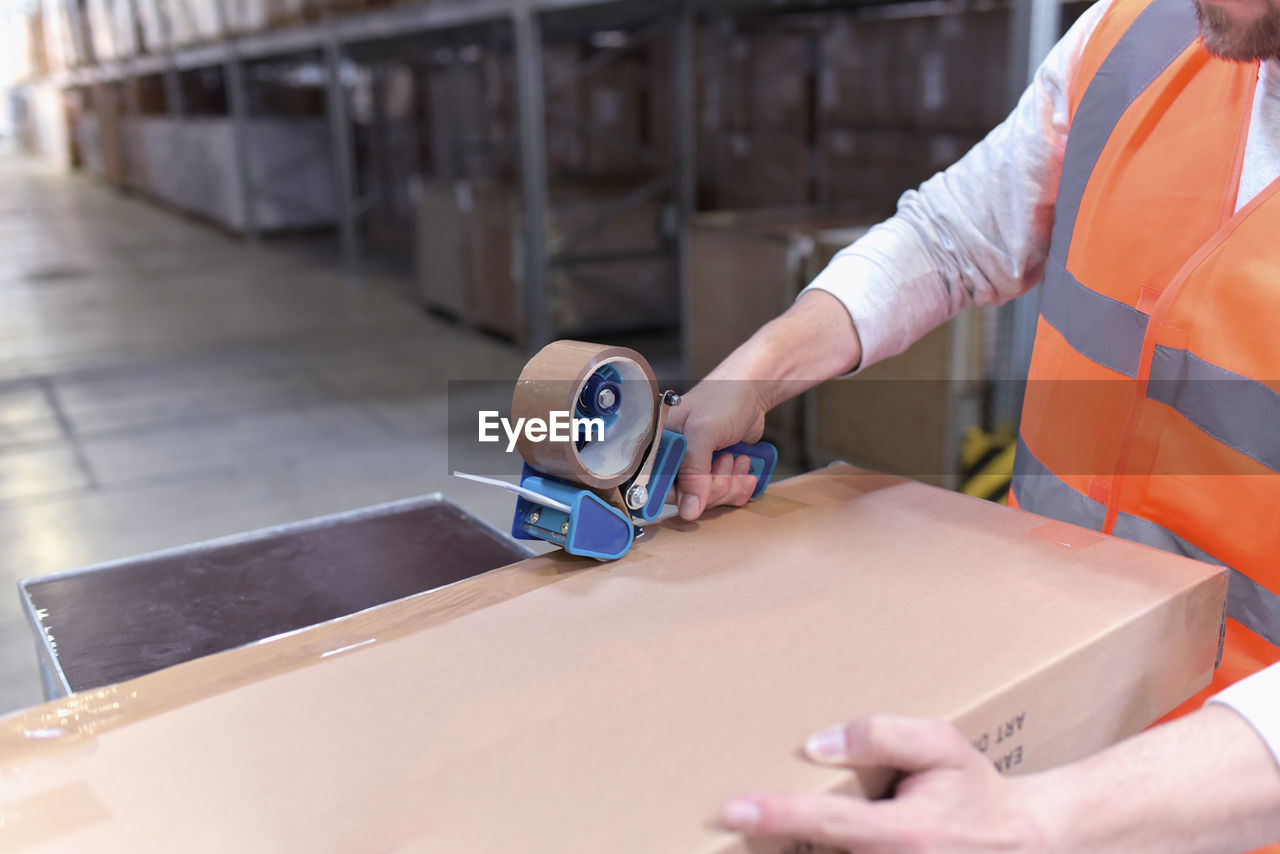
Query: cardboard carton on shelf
x,y
767,169
559,704
930,72
623,281
876,167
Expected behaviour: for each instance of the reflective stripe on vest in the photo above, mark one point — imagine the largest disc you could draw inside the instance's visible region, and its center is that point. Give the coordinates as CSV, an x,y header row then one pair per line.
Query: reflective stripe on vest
x,y
1040,491
1239,412
1157,36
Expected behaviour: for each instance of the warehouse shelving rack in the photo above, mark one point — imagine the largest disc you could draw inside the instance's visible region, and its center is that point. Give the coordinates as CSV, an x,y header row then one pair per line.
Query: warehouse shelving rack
x,y
1036,25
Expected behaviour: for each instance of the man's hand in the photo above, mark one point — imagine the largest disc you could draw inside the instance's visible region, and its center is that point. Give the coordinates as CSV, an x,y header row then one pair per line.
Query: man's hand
x,y
951,798
1204,783
811,342
715,415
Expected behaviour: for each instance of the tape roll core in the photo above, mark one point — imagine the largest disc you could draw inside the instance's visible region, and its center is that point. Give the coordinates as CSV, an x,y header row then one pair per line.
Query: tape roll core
x,y
552,382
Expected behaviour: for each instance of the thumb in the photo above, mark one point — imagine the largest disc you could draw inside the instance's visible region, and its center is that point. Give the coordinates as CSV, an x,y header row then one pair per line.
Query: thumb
x,y
906,744
695,471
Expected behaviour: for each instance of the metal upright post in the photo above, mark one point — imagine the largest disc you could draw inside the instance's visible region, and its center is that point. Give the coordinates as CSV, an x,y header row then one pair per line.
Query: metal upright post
x,y
343,156
238,107
238,110
533,173
721,31
174,102
684,146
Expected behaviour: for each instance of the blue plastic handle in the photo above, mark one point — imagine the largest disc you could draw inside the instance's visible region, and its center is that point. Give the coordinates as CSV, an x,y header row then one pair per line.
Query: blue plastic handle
x,y
764,456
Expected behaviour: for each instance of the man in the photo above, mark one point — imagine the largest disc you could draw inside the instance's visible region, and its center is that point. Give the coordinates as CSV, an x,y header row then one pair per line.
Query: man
x,y
1138,175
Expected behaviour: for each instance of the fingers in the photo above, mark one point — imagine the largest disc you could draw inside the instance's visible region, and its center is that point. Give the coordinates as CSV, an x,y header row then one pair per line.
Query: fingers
x,y
729,481
826,819
715,416
906,744
744,483
695,483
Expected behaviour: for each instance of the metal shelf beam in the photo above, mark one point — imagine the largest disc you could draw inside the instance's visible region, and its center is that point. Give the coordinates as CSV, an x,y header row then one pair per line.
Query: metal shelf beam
x,y
393,23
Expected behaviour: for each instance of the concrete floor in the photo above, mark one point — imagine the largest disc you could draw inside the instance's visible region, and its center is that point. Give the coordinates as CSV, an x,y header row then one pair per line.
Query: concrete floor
x,y
161,383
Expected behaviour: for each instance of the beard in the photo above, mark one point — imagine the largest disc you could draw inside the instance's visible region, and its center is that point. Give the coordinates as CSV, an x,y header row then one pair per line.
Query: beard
x,y
1224,38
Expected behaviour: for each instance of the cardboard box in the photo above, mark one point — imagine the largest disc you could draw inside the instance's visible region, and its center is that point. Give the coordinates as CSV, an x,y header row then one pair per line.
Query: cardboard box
x,y
767,169
933,72
622,292
768,81
564,705
875,167
441,249
153,22
190,164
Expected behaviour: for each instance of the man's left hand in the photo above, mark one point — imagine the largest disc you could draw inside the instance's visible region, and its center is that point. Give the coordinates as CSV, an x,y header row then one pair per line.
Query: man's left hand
x,y
950,799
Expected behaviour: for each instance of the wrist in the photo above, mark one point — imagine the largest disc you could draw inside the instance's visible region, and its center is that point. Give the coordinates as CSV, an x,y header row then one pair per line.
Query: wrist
x,y
755,369
1043,801
812,342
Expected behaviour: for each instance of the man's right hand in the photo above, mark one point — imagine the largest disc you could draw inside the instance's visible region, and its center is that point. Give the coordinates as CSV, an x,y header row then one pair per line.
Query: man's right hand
x,y
717,414
812,341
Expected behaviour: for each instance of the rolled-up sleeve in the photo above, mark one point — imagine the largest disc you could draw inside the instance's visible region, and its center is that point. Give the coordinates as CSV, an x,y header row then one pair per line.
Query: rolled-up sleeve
x,y
976,233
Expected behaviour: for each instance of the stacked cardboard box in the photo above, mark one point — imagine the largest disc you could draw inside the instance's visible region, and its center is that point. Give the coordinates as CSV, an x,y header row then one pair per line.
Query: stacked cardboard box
x,y
765,116
389,141
836,107
111,27
875,167
38,55
470,259
190,164
901,98
99,134
152,25
470,109
48,119
193,21
247,16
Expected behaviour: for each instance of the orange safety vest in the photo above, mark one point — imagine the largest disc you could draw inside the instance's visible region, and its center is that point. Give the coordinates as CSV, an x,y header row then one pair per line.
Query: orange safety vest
x,y
1152,409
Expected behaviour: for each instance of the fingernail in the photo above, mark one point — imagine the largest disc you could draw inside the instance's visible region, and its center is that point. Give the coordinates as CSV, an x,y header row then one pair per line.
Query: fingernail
x,y
689,507
740,815
829,745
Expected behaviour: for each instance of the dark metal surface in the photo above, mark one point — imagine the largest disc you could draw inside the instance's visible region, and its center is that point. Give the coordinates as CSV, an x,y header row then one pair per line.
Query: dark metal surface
x,y
136,616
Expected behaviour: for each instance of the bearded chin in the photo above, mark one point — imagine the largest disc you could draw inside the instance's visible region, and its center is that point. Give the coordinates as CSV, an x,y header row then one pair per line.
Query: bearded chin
x,y
1226,39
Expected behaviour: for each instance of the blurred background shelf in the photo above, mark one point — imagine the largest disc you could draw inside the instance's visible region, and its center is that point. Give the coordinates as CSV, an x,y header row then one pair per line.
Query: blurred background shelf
x,y
537,169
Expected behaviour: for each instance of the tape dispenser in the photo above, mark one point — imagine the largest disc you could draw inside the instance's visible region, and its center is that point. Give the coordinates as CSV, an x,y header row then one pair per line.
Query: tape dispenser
x,y
610,469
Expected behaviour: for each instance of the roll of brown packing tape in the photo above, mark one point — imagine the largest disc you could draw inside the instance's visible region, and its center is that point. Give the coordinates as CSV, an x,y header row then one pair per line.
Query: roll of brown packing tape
x,y
552,383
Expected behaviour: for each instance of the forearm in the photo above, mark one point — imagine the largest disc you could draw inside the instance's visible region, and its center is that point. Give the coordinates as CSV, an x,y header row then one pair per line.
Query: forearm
x,y
1204,783
810,343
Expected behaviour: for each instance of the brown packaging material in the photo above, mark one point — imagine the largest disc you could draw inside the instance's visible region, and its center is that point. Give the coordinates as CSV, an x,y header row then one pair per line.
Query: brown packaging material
x,y
620,280
562,705
768,169
932,72
875,167
767,81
